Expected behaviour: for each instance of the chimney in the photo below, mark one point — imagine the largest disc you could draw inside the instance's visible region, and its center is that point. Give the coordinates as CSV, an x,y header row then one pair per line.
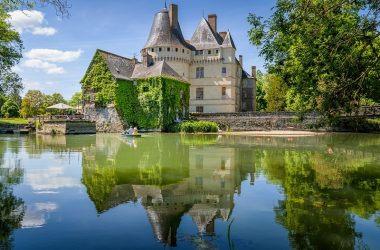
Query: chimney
x,y
241,60
223,34
173,15
147,59
254,72
213,21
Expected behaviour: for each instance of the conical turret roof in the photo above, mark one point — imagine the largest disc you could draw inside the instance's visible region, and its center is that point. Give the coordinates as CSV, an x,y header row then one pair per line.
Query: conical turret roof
x,y
162,34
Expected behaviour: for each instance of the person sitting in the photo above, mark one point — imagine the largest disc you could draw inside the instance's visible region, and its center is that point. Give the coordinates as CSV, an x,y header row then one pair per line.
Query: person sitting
x,y
135,131
130,131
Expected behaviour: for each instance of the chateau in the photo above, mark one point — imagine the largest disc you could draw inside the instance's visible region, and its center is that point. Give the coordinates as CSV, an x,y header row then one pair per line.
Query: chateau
x,y
175,77
218,82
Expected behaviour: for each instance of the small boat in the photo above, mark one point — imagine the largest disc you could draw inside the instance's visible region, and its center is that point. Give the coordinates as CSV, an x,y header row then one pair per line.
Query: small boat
x,y
132,136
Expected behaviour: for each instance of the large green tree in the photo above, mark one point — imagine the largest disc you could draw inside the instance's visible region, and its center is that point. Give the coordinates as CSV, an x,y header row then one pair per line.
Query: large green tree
x,y
34,103
327,52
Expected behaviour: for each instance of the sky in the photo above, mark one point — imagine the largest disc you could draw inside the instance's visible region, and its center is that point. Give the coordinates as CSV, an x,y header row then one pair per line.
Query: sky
x,y
57,51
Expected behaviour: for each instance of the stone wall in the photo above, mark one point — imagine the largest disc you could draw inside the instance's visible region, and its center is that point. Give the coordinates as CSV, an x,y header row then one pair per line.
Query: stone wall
x,y
258,121
107,119
9,128
67,127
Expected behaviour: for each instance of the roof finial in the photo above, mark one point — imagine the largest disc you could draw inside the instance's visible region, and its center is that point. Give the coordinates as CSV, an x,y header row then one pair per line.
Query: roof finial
x,y
203,13
166,6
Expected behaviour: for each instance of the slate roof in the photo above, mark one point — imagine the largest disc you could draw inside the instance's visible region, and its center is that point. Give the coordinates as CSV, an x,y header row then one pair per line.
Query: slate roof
x,y
204,37
161,34
228,41
157,69
120,67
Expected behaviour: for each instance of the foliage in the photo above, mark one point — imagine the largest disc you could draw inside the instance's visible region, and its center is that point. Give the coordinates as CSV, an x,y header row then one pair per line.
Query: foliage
x,y
260,93
61,6
154,102
275,93
33,104
10,54
198,127
10,109
100,80
76,99
328,52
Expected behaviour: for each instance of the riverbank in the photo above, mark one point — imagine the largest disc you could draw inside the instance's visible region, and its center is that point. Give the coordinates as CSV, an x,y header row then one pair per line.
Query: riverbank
x,y
273,133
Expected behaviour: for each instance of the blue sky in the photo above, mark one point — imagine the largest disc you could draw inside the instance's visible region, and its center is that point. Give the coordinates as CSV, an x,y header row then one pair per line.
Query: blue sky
x,y
58,51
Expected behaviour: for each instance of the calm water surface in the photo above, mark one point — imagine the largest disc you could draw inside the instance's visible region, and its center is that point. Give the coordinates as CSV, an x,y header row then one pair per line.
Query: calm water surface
x,y
190,192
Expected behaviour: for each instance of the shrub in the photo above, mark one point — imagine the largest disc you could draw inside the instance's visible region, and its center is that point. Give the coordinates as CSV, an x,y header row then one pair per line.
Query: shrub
x,y
198,127
10,109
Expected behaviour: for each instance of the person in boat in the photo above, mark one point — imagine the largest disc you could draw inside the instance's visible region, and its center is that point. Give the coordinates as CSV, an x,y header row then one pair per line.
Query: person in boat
x,y
135,131
130,130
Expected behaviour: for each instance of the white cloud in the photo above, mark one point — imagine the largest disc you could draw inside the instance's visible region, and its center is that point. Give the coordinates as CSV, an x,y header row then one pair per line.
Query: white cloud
x,y
53,55
36,214
47,31
49,68
30,21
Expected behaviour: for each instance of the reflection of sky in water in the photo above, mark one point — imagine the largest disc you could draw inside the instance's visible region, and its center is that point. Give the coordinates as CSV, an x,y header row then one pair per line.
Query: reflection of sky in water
x,y
102,196
36,214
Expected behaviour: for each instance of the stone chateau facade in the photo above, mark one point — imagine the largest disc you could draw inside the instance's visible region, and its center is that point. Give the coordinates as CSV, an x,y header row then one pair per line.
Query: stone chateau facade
x,y
207,61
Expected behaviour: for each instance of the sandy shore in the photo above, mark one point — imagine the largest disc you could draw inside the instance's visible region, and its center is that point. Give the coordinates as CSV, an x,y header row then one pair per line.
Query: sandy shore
x,y
278,133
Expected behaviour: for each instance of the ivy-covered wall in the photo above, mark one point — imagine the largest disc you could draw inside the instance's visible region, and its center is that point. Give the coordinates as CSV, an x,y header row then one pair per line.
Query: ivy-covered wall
x,y
151,103
154,102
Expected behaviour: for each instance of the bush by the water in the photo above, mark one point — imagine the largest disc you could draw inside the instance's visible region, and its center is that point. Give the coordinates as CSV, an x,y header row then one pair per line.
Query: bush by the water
x,y
198,127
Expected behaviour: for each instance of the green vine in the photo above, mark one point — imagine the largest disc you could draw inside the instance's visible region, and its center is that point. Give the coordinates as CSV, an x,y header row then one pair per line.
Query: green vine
x,y
153,103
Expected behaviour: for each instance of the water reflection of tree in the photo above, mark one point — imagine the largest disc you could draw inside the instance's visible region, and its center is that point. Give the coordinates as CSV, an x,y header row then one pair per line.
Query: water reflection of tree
x,y
11,208
323,192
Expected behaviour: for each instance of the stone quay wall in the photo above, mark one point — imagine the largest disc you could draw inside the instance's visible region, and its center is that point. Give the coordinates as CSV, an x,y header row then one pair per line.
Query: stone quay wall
x,y
9,128
258,121
107,119
67,127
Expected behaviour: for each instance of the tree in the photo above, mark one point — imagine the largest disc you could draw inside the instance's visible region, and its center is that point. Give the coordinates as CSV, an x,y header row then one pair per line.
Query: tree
x,y
61,6
76,99
10,54
327,52
275,92
33,104
10,109
260,93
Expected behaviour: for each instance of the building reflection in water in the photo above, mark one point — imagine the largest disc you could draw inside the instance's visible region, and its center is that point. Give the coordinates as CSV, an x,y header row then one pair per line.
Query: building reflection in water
x,y
172,176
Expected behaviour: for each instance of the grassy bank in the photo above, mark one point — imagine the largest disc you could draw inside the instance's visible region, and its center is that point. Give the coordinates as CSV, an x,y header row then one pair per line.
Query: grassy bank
x,y
13,121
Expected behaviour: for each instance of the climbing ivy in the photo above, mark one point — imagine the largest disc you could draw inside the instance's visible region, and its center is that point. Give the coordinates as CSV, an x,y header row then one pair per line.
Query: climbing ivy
x,y
99,80
155,102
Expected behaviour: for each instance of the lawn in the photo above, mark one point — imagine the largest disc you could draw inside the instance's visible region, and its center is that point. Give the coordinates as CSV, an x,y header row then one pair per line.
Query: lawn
x,y
13,121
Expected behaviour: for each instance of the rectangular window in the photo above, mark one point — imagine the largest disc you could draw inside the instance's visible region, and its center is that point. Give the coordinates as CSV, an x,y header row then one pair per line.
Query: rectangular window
x,y
200,72
199,93
209,52
176,49
199,109
199,52
224,71
152,49
160,49
224,92
168,49
183,51
199,181
217,52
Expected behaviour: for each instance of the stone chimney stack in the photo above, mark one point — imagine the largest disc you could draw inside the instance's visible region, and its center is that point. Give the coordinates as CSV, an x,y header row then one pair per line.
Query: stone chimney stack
x,y
254,72
241,60
213,21
173,15
147,59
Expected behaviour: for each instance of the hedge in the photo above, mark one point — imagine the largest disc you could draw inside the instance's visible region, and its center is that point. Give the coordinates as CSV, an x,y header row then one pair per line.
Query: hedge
x,y
198,127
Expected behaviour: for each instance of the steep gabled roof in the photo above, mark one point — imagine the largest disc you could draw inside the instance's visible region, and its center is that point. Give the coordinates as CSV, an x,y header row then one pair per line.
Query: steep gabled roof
x,y
228,41
157,69
120,67
204,37
161,33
